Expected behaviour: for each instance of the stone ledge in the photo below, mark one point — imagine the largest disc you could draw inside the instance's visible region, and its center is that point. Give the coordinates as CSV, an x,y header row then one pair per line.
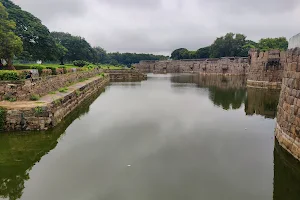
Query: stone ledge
x,y
50,109
264,84
287,142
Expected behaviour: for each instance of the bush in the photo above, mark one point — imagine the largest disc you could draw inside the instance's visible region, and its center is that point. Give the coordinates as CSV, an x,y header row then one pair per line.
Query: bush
x,y
80,63
53,69
63,90
34,97
39,68
8,75
21,67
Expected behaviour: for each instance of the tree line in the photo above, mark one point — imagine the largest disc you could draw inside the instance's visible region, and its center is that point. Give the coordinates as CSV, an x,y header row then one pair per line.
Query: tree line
x,y
231,45
23,37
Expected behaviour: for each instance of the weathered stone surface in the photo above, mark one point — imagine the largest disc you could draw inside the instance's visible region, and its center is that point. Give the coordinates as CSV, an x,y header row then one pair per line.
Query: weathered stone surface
x,y
288,116
23,90
50,113
266,69
230,66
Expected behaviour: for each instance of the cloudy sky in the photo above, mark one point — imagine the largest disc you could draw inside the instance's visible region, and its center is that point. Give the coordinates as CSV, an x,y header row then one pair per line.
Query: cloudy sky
x,y
160,26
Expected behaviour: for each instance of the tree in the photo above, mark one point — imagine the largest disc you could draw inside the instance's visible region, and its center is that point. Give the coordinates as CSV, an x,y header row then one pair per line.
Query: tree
x,y
280,43
100,55
227,46
203,52
180,53
61,52
78,48
37,42
10,44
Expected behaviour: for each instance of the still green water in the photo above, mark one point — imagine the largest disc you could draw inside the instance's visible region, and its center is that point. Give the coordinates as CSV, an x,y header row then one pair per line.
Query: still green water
x,y
170,137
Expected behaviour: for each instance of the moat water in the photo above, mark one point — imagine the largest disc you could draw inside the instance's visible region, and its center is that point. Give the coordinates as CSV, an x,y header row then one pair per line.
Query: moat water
x,y
170,137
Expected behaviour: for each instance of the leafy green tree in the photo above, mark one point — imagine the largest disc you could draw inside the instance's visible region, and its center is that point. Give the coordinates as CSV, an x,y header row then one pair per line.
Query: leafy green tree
x,y
266,44
78,48
61,52
227,46
99,55
10,44
37,42
203,53
180,53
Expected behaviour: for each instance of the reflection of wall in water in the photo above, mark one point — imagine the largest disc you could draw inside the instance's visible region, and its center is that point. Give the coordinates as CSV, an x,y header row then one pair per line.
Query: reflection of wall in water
x,y
286,175
19,153
228,92
262,102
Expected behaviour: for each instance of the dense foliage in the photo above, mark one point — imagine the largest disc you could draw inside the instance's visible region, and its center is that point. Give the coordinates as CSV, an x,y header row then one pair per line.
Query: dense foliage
x,y
231,45
20,30
8,75
37,42
10,44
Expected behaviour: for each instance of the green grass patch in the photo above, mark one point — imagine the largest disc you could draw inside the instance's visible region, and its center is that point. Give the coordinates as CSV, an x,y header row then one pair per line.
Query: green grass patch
x,y
63,90
83,79
102,75
53,92
38,110
10,98
34,97
77,93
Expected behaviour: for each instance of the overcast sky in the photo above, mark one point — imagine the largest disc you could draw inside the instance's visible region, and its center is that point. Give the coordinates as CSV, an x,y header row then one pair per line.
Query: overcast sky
x,y
160,26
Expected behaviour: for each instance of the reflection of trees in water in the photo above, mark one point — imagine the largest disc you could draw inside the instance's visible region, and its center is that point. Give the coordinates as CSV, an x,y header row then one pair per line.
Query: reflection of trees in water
x,y
228,92
286,175
262,102
227,98
19,152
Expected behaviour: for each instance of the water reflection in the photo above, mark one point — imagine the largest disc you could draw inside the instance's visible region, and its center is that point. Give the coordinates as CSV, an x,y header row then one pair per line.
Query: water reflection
x,y
180,146
262,102
227,92
20,151
286,175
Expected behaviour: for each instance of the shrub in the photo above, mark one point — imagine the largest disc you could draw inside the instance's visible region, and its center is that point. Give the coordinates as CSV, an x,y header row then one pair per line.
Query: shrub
x,y
39,68
8,75
34,97
102,75
63,90
21,67
10,98
80,63
78,93
38,110
53,69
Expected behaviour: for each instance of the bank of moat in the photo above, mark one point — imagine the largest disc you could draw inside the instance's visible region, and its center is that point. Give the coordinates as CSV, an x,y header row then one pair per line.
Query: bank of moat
x,y
59,95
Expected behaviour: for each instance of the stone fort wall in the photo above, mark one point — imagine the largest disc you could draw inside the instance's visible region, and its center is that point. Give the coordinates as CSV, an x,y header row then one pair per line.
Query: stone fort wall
x,y
229,66
266,69
288,116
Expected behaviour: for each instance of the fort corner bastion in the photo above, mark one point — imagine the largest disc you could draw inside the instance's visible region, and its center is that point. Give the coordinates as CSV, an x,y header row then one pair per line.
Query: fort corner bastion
x,y
288,115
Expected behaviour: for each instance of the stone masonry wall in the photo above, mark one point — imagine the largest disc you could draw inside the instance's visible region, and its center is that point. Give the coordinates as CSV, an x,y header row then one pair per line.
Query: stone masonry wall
x,y
43,117
22,90
125,75
266,68
288,116
231,66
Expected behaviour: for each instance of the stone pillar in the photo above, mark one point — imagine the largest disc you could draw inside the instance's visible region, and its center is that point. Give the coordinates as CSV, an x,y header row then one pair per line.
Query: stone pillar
x,y
288,116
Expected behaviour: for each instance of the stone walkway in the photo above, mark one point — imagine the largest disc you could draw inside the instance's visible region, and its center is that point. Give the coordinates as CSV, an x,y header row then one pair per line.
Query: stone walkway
x,y
49,98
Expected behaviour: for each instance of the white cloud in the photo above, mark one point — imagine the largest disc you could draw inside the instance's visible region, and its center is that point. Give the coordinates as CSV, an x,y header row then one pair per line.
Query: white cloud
x,y
162,25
